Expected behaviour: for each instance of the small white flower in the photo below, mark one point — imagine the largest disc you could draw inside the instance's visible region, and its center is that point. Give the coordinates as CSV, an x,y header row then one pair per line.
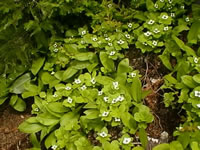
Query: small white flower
x,y
67,88
69,100
147,33
156,5
116,85
82,42
197,93
198,127
112,53
154,140
166,28
172,14
126,140
120,42
93,81
83,32
196,60
114,101
182,7
109,44
170,1
170,8
180,128
105,99
198,105
145,43
55,95
105,113
55,45
133,74
36,109
187,19
162,1
120,98
94,39
77,81
107,39
165,17
103,134
156,30
155,43
117,119
54,147
151,22
52,73
127,36
55,50
83,87
109,5
130,25
100,93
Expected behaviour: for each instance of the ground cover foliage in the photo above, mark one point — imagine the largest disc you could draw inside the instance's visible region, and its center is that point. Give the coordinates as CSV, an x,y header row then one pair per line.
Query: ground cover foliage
x,y
68,55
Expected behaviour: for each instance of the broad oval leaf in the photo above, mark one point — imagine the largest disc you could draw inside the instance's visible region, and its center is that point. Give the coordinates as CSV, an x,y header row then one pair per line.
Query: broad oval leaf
x,y
30,128
188,81
37,64
196,78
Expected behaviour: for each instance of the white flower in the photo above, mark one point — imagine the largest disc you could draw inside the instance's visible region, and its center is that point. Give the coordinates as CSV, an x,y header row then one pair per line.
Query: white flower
x,y
55,95
100,93
196,60
109,5
156,30
94,39
120,42
133,74
93,81
120,98
166,28
156,5
69,100
55,45
170,7
52,73
77,81
165,17
83,87
83,32
103,134
112,53
187,19
127,36
116,85
105,99
151,22
117,119
162,1
114,101
54,147
147,33
172,14
126,140
180,128
197,93
67,88
198,127
55,50
36,109
182,7
130,25
105,113
198,105
170,1
154,140
155,43
107,39
145,43
109,44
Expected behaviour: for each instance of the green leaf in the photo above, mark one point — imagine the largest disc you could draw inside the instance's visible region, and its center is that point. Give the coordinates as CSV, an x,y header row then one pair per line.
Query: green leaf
x,y
79,64
57,107
13,100
69,73
2,100
136,89
92,113
194,145
194,33
84,56
18,86
188,81
50,140
163,146
176,145
166,61
143,137
36,65
196,78
34,141
138,148
107,62
30,127
143,115
20,105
